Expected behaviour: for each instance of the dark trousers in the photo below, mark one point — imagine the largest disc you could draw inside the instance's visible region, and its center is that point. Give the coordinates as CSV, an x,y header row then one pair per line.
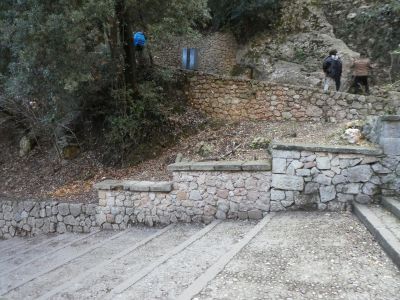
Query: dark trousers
x,y
361,81
337,82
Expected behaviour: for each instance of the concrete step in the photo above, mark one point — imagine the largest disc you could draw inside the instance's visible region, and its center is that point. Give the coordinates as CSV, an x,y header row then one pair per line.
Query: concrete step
x,y
98,282
169,279
8,248
76,267
302,255
12,259
43,264
392,204
384,226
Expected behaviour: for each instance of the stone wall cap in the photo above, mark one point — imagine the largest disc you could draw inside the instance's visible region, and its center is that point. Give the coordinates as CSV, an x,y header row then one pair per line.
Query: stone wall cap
x,y
135,186
258,165
326,148
390,118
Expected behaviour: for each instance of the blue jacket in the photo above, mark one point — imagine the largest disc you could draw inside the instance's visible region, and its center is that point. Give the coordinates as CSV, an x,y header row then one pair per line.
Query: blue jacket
x,y
139,39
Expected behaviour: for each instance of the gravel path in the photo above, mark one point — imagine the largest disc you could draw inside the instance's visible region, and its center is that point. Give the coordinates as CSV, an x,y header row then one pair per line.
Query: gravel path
x,y
308,256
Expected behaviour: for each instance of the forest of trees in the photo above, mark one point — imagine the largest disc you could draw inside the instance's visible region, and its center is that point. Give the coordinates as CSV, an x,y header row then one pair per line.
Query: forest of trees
x,y
66,61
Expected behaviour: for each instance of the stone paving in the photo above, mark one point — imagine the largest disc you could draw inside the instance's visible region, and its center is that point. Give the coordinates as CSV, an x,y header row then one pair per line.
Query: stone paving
x,y
292,255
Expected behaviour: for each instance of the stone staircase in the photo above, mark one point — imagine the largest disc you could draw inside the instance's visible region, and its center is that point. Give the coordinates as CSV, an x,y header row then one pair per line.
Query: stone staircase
x,y
298,255
383,221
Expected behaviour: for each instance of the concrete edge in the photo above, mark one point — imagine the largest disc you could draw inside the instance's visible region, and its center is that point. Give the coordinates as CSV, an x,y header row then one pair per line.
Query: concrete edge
x,y
250,166
392,205
323,148
135,186
390,118
385,238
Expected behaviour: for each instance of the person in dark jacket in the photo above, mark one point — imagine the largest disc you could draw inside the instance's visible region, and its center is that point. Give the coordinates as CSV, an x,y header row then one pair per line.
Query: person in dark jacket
x,y
332,67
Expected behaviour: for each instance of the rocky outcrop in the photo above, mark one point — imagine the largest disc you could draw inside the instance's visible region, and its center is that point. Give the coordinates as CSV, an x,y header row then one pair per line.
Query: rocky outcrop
x,y
294,55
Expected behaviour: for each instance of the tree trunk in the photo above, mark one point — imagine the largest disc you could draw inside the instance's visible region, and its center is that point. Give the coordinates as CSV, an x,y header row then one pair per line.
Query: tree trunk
x,y
127,43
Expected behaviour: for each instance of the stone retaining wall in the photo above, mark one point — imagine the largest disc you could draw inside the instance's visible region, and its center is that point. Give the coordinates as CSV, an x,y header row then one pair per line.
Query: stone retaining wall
x,y
26,218
301,177
199,192
326,177
242,99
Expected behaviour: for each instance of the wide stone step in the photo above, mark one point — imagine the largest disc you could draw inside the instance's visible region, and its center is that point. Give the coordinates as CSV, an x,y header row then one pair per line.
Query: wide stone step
x,y
11,247
27,272
31,252
99,283
384,226
72,270
392,205
169,279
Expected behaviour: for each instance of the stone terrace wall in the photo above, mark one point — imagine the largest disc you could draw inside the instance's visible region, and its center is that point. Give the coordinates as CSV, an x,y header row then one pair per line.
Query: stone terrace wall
x,y
236,99
324,178
26,218
200,192
327,177
217,53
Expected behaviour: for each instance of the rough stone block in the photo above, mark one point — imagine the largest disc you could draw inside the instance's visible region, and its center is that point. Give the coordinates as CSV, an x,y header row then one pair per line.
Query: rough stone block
x,y
361,173
279,166
322,179
345,197
75,209
311,188
327,193
286,182
323,163
63,209
70,220
352,188
195,196
378,168
277,195
303,172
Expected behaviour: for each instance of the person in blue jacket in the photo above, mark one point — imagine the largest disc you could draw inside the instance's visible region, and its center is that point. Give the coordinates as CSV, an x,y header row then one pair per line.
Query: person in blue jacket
x,y
139,40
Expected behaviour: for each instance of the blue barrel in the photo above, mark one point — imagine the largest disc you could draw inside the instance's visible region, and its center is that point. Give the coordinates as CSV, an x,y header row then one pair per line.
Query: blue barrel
x,y
189,58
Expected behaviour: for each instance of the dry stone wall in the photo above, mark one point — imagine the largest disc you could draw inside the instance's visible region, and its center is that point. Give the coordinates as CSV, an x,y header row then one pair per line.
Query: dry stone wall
x,y
242,99
301,176
25,218
326,177
199,192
